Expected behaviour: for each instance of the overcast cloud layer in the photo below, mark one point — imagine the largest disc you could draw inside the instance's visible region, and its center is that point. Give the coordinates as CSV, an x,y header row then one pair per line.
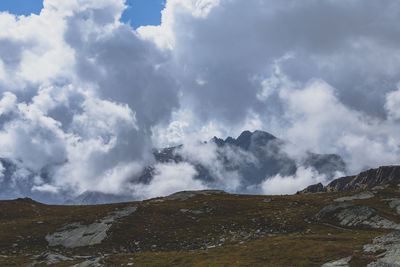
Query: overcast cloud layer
x,y
85,97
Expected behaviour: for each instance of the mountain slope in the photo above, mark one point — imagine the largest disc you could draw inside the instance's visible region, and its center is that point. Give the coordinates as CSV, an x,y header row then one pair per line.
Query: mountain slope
x,y
364,180
206,228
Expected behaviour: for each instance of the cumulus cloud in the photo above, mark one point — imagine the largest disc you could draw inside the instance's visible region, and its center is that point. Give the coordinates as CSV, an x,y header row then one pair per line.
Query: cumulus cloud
x,y
170,178
80,94
279,184
84,97
392,104
220,162
322,75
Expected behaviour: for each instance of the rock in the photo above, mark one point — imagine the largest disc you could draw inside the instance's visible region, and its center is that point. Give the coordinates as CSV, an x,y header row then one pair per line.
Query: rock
x,y
395,204
342,262
312,189
196,212
362,195
189,194
366,179
94,262
78,235
267,200
51,258
377,179
390,244
380,187
350,215
339,184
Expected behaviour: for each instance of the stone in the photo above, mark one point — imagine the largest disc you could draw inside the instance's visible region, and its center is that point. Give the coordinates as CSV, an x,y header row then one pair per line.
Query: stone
x,y
350,215
342,263
312,189
362,195
51,258
395,204
366,179
390,244
78,235
94,262
380,187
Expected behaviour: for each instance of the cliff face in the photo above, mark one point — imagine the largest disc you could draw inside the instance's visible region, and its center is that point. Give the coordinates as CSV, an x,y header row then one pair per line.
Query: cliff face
x,y
364,180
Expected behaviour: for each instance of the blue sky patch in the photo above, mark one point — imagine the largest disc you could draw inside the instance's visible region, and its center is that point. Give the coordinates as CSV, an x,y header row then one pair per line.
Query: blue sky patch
x,y
21,7
139,12
143,12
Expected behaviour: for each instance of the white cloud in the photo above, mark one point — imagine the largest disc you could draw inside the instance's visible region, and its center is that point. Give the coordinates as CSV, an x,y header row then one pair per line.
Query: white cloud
x,y
393,103
47,188
170,178
308,72
2,169
291,184
81,93
84,95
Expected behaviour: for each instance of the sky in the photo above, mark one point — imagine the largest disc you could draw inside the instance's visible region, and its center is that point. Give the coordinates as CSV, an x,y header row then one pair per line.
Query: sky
x,y
139,12
22,7
89,87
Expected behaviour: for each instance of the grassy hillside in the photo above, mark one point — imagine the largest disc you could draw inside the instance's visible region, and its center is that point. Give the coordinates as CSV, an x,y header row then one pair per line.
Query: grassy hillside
x,y
203,230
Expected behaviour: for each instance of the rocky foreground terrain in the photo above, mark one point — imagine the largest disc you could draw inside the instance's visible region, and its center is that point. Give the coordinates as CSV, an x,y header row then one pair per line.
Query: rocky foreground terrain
x,y
212,228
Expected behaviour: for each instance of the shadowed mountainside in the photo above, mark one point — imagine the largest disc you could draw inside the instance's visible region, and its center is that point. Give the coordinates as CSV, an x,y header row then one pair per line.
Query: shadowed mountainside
x,y
251,158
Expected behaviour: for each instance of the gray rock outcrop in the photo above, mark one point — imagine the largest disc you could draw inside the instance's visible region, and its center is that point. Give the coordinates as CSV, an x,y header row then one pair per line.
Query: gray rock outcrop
x,y
390,244
49,258
312,189
395,204
364,180
362,195
350,215
78,235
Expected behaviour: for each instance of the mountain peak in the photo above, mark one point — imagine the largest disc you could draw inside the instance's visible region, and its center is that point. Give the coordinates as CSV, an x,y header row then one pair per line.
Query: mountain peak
x,y
245,139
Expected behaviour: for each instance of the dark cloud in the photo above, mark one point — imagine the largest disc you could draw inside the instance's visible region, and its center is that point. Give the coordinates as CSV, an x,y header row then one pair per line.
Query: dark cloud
x,y
240,61
86,97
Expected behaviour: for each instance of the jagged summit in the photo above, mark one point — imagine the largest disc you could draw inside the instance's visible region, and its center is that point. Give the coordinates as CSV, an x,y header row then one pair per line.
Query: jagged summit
x,y
245,139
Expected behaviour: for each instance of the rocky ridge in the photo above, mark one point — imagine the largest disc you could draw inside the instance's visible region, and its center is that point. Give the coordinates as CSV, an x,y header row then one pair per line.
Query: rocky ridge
x,y
365,180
